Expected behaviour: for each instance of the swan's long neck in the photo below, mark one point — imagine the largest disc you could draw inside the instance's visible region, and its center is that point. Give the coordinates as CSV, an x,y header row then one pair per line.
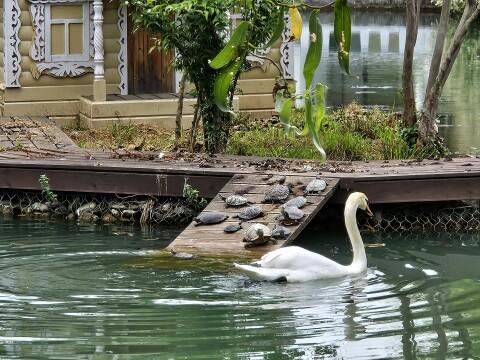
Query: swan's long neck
x,y
359,262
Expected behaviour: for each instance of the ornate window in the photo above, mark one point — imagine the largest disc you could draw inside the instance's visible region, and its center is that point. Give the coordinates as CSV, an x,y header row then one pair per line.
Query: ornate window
x,y
62,44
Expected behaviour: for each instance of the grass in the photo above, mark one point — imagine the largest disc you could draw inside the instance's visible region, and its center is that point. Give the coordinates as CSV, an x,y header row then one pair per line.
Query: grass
x,y
347,134
121,136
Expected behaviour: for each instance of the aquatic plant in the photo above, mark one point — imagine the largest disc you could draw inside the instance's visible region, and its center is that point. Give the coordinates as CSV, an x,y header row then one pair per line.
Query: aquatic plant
x,y
44,182
192,197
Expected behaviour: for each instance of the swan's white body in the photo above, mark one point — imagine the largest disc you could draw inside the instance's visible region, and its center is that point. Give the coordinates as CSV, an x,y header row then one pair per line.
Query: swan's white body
x,y
295,264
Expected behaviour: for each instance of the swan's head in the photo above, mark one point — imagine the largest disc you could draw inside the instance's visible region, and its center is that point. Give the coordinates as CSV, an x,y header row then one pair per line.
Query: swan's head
x,y
361,200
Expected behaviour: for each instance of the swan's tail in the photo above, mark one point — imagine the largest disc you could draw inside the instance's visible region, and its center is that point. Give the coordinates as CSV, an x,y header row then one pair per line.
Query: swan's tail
x,y
258,273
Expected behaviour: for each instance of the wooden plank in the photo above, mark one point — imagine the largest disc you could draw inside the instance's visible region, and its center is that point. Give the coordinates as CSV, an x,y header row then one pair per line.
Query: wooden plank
x,y
108,182
147,96
212,240
61,140
414,190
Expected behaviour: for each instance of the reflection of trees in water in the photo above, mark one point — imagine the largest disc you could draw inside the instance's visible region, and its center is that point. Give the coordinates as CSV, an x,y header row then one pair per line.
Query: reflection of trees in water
x,y
440,317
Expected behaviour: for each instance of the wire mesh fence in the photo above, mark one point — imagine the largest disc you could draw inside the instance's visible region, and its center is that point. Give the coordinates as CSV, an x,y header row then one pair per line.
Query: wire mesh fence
x,y
444,217
97,207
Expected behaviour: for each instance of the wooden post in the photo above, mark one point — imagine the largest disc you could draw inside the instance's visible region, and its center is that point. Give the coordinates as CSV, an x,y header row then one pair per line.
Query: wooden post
x,y
99,84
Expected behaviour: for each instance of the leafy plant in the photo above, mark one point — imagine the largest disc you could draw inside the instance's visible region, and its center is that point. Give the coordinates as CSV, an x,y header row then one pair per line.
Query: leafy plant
x,y
244,42
197,31
192,197
44,182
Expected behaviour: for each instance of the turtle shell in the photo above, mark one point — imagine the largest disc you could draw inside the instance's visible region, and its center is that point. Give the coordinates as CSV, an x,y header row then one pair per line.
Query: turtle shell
x,y
232,228
277,193
297,202
280,232
315,186
209,218
250,213
251,235
292,213
235,200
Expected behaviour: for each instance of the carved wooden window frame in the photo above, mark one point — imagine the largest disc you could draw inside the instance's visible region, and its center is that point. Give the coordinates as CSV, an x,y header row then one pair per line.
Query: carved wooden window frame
x,y
66,65
84,21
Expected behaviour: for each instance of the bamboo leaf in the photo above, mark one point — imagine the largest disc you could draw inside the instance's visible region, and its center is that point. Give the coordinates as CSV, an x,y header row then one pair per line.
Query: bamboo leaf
x,y
319,105
297,23
230,51
223,82
314,54
311,126
343,33
283,106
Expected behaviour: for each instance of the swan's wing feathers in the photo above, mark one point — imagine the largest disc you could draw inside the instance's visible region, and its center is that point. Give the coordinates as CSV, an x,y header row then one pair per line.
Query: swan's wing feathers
x,y
295,258
273,255
262,274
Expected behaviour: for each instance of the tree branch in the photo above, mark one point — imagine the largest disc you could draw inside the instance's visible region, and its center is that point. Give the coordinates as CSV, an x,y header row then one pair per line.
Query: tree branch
x,y
471,12
274,63
439,45
178,117
279,3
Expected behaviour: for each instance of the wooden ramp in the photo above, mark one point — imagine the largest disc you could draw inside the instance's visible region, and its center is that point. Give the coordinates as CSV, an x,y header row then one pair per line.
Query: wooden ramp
x,y
212,240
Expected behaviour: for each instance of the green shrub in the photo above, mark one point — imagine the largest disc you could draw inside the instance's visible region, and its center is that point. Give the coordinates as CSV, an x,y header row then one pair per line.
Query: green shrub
x,y
349,133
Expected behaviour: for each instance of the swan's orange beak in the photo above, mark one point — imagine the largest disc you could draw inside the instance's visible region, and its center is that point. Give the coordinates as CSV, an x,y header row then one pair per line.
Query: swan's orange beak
x,y
369,212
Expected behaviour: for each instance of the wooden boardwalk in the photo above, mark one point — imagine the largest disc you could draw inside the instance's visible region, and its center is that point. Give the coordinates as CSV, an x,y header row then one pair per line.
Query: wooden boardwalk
x,y
30,147
34,137
212,240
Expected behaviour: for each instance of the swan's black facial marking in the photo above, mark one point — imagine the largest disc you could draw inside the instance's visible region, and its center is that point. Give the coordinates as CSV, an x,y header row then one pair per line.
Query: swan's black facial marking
x,y
280,280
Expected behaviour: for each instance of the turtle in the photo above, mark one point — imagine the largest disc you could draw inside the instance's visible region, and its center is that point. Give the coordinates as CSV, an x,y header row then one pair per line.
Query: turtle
x,y
182,255
280,232
292,215
234,200
277,193
232,228
250,213
277,180
297,202
210,218
315,186
258,234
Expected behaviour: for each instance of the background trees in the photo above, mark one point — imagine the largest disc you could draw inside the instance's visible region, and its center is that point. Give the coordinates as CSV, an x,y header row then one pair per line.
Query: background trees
x,y
442,62
198,30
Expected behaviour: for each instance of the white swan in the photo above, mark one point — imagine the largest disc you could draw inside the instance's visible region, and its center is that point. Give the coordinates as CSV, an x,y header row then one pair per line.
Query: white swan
x,y
295,264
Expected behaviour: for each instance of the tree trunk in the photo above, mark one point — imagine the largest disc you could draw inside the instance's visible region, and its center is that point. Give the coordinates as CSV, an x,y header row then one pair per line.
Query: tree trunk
x,y
193,130
409,112
178,118
439,45
428,128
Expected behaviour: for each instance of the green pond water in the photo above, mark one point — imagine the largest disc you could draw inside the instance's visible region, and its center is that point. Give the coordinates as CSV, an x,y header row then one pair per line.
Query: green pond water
x,y
72,291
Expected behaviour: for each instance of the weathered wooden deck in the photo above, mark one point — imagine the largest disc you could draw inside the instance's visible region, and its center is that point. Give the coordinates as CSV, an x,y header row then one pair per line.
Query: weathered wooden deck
x,y
212,240
73,169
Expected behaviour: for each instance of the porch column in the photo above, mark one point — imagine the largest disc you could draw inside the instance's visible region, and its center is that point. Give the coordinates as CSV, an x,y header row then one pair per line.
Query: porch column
x,y
99,84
